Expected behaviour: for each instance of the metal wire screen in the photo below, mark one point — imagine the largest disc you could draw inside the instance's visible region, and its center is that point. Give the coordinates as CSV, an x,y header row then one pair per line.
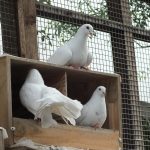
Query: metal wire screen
x,y
122,45
53,34
119,47
8,27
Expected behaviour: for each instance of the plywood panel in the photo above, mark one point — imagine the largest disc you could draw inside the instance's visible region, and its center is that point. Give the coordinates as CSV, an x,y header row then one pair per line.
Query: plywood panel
x,y
65,135
61,84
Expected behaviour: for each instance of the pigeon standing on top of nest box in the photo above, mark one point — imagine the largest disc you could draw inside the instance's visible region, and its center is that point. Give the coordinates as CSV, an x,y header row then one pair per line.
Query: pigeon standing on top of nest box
x,y
94,112
75,52
42,101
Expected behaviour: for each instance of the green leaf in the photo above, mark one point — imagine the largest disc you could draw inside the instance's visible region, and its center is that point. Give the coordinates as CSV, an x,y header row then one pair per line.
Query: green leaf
x,y
43,38
50,43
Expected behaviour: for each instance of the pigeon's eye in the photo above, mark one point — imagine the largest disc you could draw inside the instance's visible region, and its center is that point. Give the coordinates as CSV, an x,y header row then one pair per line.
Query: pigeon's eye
x,y
88,27
99,89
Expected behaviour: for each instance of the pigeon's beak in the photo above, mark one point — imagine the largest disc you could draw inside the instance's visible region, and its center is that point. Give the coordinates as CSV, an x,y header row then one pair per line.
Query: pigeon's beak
x,y
92,33
104,93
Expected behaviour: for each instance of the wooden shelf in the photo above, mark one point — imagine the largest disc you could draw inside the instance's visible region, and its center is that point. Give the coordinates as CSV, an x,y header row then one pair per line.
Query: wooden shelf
x,y
77,84
65,135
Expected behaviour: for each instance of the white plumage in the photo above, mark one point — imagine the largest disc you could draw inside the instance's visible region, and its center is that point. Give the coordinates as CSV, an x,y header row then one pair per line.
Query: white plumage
x,y
42,101
75,52
94,112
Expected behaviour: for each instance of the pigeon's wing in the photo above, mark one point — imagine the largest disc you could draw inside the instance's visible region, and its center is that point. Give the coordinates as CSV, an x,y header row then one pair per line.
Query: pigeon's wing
x,y
89,59
61,56
60,104
88,117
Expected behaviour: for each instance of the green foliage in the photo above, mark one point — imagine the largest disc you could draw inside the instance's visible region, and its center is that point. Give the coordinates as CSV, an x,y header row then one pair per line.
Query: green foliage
x,y
140,12
59,30
64,31
143,75
100,10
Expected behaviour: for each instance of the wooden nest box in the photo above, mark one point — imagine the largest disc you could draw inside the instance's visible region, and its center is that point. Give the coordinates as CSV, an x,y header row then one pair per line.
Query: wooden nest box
x,y
77,84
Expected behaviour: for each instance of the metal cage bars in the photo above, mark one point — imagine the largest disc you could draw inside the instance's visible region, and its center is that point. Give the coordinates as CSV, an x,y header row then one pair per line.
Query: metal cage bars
x,y
122,39
123,58
9,32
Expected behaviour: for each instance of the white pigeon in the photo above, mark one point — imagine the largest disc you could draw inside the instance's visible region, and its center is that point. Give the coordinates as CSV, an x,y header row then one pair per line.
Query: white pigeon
x,y
42,101
75,52
94,112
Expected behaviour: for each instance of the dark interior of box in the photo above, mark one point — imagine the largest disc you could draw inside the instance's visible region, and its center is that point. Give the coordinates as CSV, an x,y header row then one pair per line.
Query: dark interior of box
x,y
79,86
18,76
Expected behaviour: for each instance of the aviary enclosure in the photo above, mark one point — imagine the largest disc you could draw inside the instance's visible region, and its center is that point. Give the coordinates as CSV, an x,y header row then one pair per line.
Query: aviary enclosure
x,y
34,29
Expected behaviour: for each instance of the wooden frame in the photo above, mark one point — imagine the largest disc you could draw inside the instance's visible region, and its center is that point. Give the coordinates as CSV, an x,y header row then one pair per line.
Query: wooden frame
x,y
65,79
68,136
27,28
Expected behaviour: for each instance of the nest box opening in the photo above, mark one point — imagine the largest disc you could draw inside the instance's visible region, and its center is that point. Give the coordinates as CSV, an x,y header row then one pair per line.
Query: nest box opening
x,y
75,84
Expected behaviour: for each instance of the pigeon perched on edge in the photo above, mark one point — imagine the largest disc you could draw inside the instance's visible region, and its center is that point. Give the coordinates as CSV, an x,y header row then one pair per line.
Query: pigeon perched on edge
x,y
42,101
75,52
94,112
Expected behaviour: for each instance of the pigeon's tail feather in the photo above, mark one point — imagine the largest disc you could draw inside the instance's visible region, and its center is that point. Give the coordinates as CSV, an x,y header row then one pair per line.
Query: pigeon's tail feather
x,y
75,107
66,115
71,110
46,118
45,106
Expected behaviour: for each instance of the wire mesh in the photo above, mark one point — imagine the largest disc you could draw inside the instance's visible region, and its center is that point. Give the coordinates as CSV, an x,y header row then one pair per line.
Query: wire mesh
x,y
143,73
91,7
140,13
115,50
8,27
119,47
52,34
1,44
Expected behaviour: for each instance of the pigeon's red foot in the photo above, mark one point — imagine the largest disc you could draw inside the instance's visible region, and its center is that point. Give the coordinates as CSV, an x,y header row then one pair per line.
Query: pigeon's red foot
x,y
73,67
96,126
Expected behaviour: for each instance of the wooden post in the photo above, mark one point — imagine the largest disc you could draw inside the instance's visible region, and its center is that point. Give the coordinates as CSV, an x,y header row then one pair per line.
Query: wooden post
x,y
125,65
27,28
132,79
5,99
